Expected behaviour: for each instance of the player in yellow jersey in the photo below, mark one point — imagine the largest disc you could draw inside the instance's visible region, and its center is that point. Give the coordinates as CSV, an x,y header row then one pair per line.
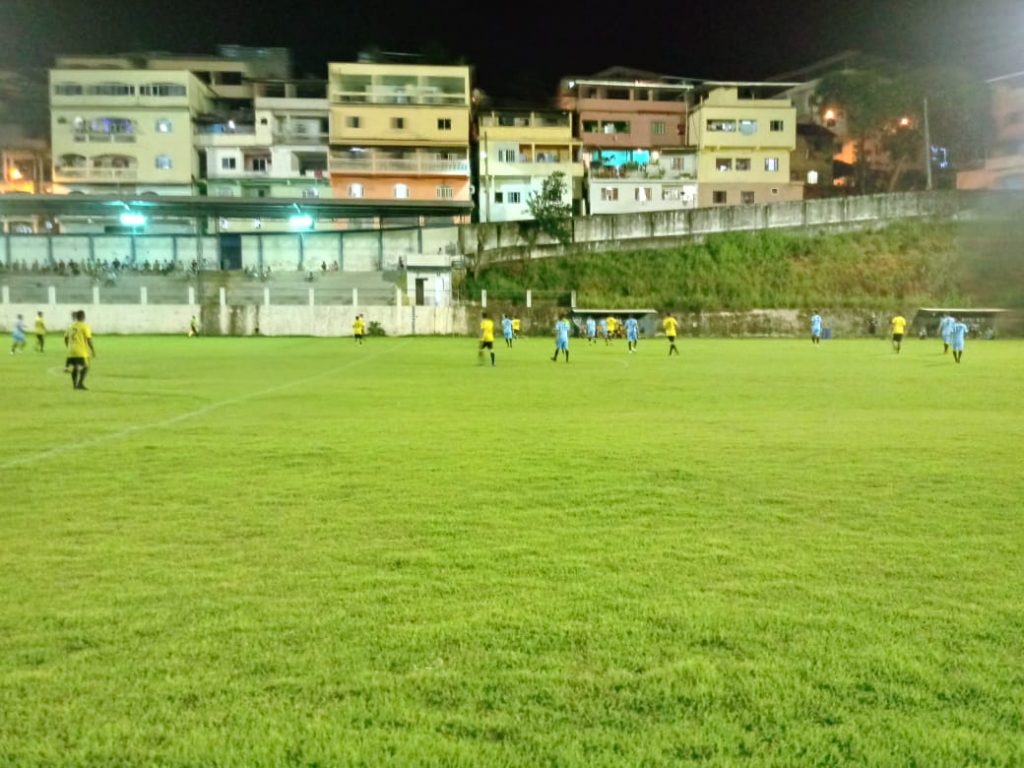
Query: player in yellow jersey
x,y
40,332
486,338
359,329
517,326
193,328
671,326
78,340
899,327
613,327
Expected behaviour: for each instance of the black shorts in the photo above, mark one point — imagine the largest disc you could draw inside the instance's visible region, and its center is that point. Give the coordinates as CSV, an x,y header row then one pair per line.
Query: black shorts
x,y
359,335
672,339
71,361
897,337
486,345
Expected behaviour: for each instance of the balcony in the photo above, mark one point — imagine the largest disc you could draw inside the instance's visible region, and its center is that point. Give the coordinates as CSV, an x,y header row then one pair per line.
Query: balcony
x,y
416,165
105,138
95,174
392,97
293,137
530,167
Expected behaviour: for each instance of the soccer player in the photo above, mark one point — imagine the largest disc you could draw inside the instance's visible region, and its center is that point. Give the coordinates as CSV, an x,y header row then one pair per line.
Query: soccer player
x,y
486,338
359,329
18,336
591,330
816,328
193,327
40,332
899,327
517,326
957,336
562,338
613,327
632,334
506,330
671,326
603,327
946,331
78,340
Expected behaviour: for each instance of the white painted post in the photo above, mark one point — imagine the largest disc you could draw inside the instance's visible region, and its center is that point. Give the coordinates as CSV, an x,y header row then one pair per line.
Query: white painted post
x,y
143,295
529,299
191,296
355,297
483,298
6,292
398,296
52,293
223,296
572,299
312,297
266,297
95,294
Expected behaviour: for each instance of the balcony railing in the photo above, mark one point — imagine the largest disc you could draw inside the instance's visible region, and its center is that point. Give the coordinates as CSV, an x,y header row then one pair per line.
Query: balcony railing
x,y
120,138
96,174
400,165
285,137
363,97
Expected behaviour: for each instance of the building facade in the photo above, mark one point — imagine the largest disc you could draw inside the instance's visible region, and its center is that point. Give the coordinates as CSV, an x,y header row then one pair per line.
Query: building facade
x,y
1004,168
632,126
399,131
743,148
517,151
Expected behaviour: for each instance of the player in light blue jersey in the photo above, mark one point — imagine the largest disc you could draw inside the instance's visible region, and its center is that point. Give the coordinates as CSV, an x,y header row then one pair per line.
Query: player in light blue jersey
x,y
591,330
946,331
957,336
562,329
602,326
632,334
816,328
506,330
18,336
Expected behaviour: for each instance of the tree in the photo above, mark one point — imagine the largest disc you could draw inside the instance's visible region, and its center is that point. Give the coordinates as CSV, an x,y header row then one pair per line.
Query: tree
x,y
553,216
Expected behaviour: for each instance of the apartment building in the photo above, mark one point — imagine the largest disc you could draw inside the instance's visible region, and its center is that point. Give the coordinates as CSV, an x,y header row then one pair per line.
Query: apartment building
x,y
123,129
274,146
1004,168
632,126
399,131
743,148
517,151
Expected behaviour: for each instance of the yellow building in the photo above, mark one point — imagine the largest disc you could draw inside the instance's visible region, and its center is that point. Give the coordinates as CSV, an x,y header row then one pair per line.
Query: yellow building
x,y
743,149
518,151
127,130
399,131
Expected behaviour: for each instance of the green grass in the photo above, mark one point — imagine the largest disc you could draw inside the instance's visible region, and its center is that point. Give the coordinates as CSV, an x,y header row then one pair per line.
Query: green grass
x,y
273,552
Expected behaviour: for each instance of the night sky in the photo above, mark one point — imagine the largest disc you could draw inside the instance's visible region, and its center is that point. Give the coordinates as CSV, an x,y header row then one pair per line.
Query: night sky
x,y
523,48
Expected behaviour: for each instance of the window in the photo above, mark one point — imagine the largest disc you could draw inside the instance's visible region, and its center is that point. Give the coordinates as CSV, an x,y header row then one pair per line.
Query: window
x,y
228,163
162,89
499,197
771,164
673,193
163,125
747,198
352,121
748,127
591,126
723,163
444,192
111,89
775,190
444,123
609,193
658,128
812,177
311,192
726,126
642,194
618,126
776,126
677,163
401,191
163,162
719,197
67,89
507,155
513,197
742,163
355,190
259,164
397,123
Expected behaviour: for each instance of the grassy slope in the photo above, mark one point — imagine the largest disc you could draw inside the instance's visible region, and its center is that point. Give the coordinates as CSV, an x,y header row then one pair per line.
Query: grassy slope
x,y
294,552
913,261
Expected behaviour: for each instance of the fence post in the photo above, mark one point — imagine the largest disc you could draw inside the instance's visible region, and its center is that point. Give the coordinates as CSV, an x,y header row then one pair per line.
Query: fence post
x,y
529,299
5,291
355,297
223,296
312,297
483,298
143,295
572,300
95,294
266,296
191,296
52,294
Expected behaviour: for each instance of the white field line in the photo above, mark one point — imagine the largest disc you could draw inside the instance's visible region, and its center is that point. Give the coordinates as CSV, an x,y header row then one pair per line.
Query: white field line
x,y
171,421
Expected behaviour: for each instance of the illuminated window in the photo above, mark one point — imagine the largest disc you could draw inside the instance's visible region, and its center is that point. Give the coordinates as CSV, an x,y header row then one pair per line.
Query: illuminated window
x,y
513,197
311,192
609,193
642,194
401,191
67,89
771,164
812,177
164,162
355,190
163,126
162,89
723,126
723,163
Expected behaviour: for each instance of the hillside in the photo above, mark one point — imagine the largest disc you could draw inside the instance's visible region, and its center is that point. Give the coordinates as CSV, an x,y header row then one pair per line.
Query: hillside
x,y
914,262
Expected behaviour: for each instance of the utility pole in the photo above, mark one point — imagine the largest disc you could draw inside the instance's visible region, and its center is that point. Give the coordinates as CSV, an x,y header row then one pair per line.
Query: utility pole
x,y
927,149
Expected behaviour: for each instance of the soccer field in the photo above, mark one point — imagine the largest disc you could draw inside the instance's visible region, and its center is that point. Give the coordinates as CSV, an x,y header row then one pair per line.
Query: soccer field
x,y
267,552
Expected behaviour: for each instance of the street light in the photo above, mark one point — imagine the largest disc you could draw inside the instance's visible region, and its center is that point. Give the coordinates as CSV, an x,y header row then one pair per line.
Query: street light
x,y
132,219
